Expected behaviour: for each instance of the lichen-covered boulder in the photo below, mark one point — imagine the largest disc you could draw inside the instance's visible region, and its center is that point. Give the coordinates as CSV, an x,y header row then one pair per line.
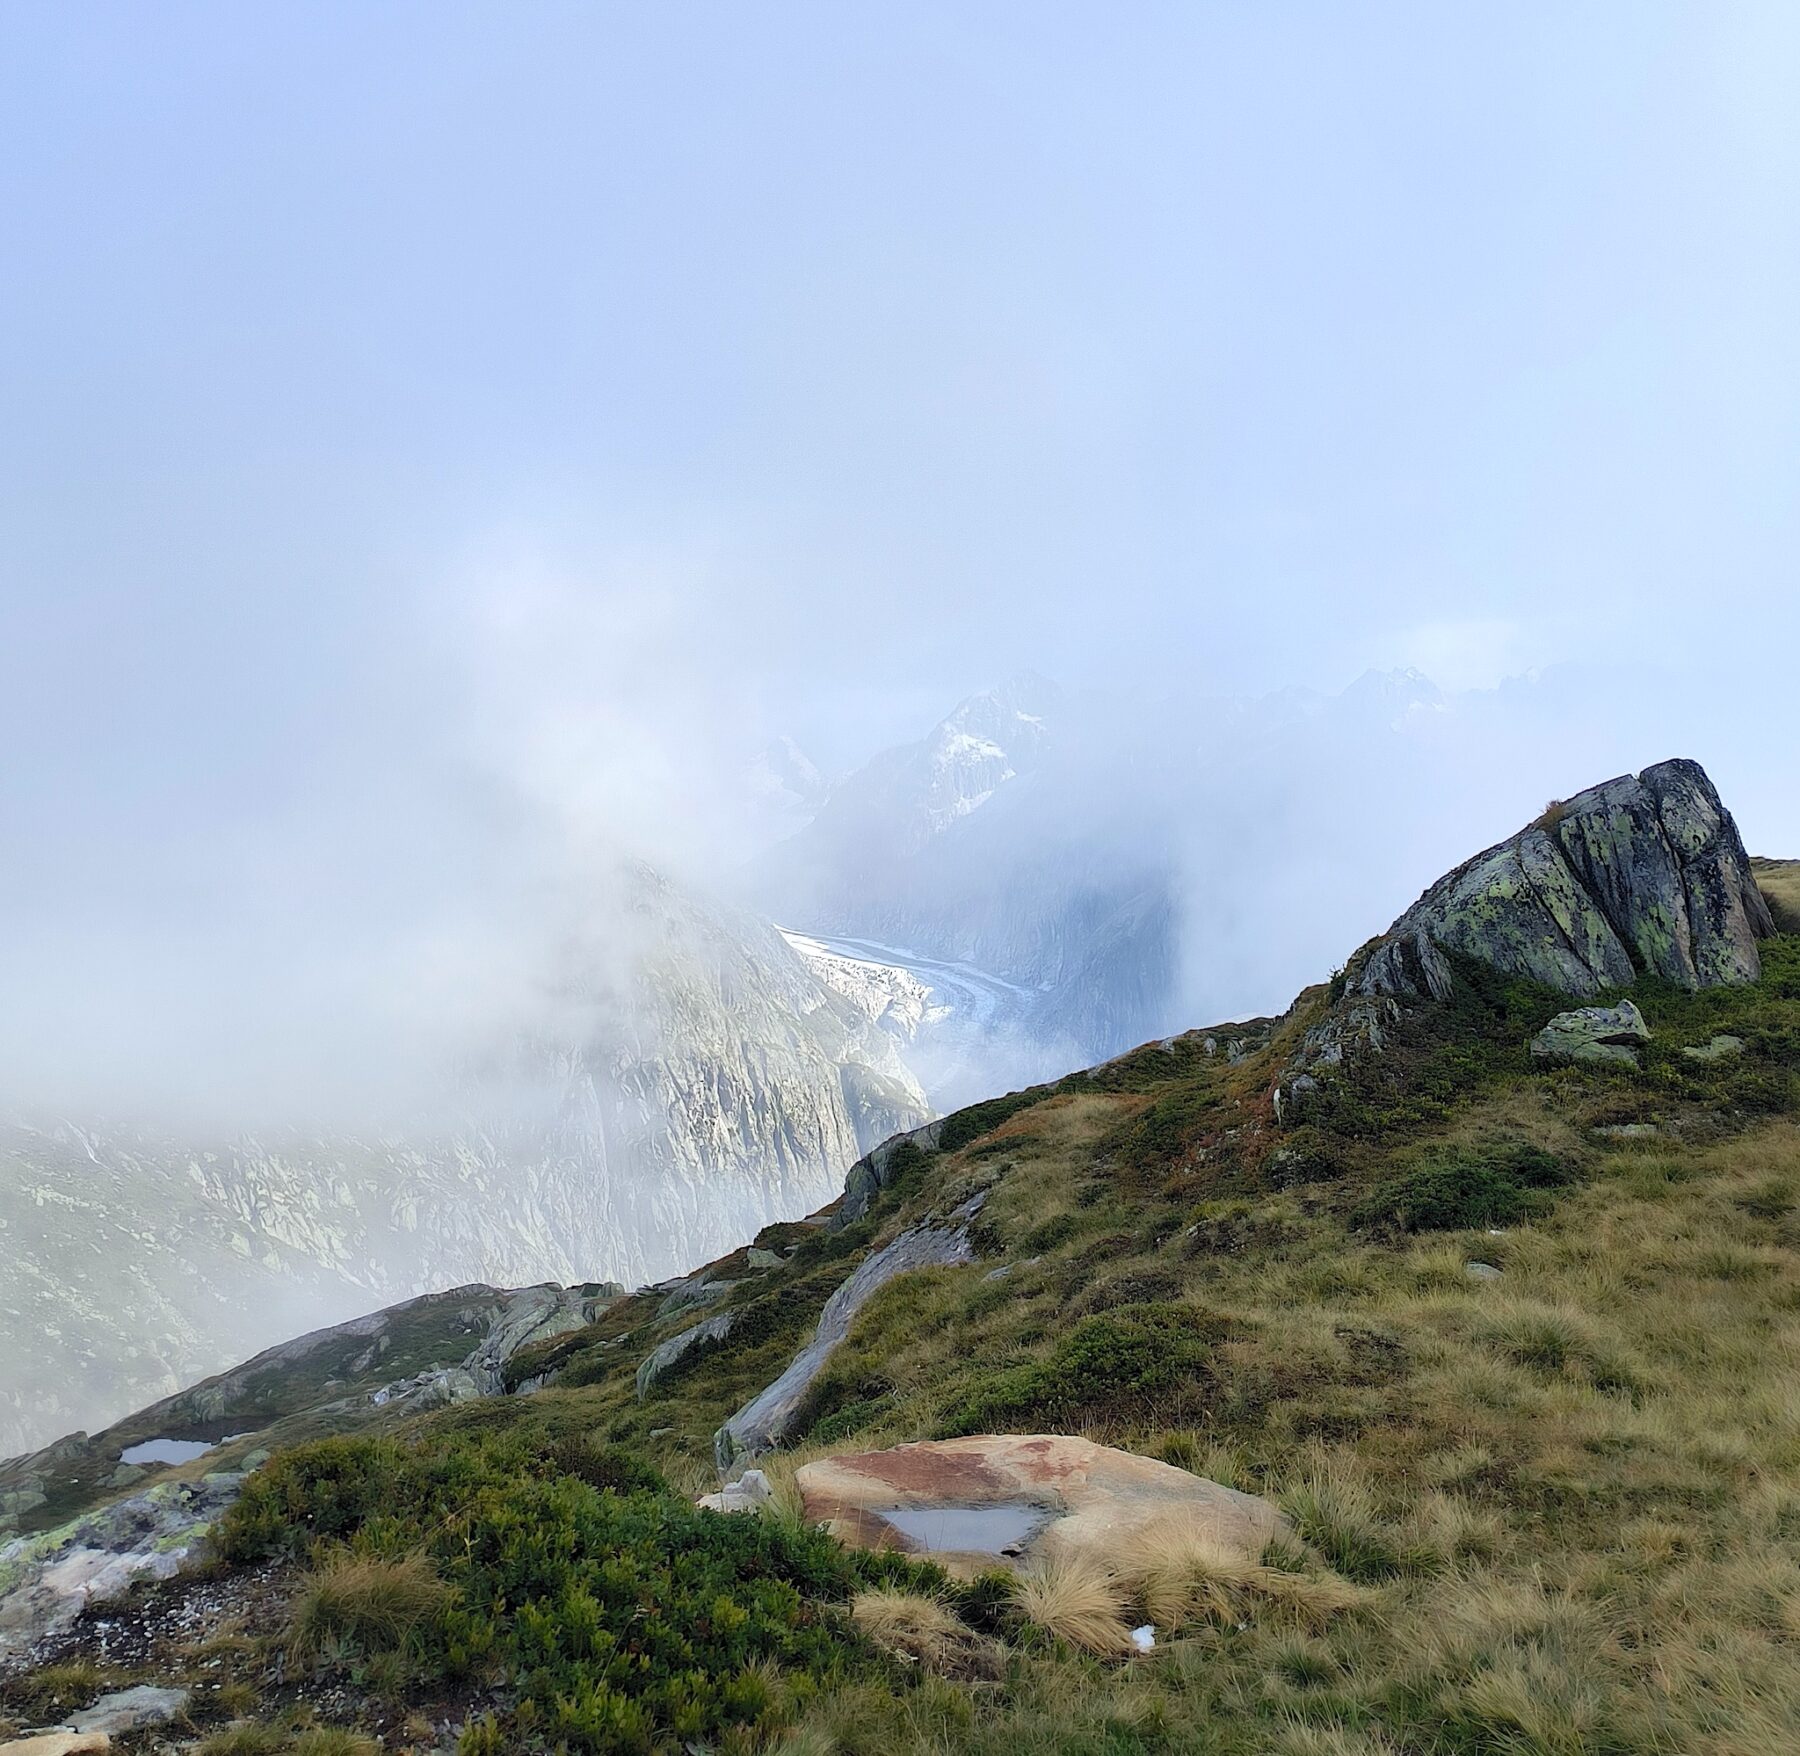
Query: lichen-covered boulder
x,y
1593,1033
1646,872
1721,1048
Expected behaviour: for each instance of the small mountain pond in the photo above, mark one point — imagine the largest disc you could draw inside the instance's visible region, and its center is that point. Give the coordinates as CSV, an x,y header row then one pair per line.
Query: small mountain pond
x,y
172,1450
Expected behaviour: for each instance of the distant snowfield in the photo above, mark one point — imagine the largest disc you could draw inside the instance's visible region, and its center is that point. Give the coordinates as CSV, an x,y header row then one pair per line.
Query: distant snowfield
x,y
949,1017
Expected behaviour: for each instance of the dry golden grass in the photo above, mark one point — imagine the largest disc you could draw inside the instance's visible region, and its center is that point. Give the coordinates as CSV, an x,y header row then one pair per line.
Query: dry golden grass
x,y
1558,1510
363,1604
1078,1601
1179,1574
1553,1513
922,1630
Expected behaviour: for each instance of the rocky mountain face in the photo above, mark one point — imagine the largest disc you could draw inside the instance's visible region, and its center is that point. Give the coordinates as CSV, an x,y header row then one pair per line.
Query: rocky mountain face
x,y
1077,858
971,849
671,1100
1644,875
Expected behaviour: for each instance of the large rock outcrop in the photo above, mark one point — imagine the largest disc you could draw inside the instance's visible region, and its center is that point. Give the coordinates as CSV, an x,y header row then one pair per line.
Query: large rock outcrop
x,y
1643,874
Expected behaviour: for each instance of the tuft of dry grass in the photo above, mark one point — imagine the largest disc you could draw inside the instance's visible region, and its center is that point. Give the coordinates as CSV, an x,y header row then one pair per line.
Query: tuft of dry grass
x,y
250,1738
1181,1574
365,1604
1077,1601
923,1631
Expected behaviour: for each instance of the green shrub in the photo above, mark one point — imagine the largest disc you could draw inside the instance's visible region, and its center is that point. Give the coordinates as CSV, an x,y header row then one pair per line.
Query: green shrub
x,y
1123,1363
979,1119
1457,1189
625,1619
609,1468
1166,1132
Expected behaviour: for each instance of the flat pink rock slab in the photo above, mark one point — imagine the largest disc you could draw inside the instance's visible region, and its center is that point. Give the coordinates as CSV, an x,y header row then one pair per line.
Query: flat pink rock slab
x,y
1012,1498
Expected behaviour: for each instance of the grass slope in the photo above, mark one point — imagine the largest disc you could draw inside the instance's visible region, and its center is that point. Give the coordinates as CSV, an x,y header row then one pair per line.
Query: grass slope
x,y
1516,1347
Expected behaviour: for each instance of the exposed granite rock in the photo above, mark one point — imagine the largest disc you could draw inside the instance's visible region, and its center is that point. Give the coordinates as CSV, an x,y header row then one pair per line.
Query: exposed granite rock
x,y
428,1390
696,1289
47,1581
1593,1033
58,1744
1643,872
874,1171
535,1314
768,1418
707,1334
749,1493
1721,1048
125,1710
1050,1496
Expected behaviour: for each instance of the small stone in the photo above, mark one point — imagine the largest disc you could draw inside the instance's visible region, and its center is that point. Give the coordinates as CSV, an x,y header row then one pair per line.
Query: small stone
x,y
1593,1033
58,1744
128,1709
1629,1131
1721,1048
999,1273
761,1258
749,1493
1481,1271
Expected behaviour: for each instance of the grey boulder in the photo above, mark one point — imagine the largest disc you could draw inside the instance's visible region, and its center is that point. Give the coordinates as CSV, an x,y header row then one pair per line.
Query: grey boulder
x,y
128,1709
1593,1033
1643,872
1721,1048
700,1337
768,1418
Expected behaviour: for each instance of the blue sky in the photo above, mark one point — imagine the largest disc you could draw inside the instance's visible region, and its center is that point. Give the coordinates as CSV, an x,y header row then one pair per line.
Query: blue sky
x,y
378,380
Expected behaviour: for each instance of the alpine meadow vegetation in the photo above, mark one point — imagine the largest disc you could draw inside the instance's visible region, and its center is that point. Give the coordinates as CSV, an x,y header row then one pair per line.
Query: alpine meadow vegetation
x,y
1513,1346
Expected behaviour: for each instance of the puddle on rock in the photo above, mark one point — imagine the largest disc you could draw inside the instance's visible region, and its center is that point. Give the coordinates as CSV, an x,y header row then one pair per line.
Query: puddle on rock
x,y
172,1450
968,1530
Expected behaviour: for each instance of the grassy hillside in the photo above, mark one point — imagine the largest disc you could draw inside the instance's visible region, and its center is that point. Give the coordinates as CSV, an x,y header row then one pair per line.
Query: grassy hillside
x,y
1516,1348
1779,881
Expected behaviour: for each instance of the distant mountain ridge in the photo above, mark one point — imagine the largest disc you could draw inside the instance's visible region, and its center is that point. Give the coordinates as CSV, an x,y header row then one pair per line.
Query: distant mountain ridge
x,y
715,1087
1061,843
